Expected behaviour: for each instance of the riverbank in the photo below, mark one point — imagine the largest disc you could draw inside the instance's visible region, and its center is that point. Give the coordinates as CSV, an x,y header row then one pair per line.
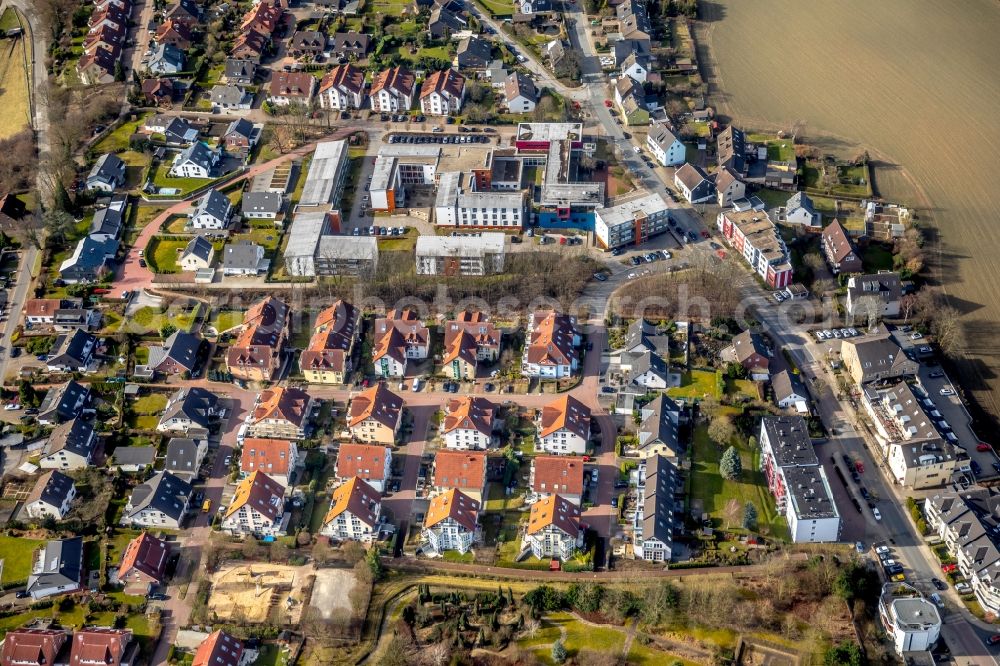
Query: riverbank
x,y
919,98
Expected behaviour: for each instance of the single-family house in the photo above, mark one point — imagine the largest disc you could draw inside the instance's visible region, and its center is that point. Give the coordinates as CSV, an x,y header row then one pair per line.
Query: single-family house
x,y
195,161
58,569
214,211
262,205
160,502
874,296
751,352
728,187
799,210
694,184
239,71
190,411
107,174
665,146
166,59
520,93
184,457
351,44
51,496
244,258
240,137
288,88
132,459
473,53
144,564
70,445
197,255
307,44
222,649
63,402
72,352
789,392
230,97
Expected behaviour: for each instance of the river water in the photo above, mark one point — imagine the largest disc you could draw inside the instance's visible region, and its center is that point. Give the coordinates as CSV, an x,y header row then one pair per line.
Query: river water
x,y
917,82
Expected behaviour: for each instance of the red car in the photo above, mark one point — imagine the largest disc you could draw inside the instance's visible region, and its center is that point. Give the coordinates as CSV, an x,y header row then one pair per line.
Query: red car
x,y
607,103
704,234
948,568
983,446
993,640
860,466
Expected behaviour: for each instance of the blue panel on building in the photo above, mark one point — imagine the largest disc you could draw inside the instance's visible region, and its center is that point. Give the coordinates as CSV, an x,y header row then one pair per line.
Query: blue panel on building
x,y
578,221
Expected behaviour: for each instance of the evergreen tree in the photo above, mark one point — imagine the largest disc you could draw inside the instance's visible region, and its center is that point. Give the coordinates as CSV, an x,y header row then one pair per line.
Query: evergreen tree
x,y
731,465
558,652
749,516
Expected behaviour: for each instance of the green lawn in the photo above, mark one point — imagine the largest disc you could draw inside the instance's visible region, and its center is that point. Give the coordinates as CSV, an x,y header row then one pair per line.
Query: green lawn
x,y
18,555
153,319
154,403
118,138
876,257
8,21
578,637
743,387
441,52
161,254
781,150
724,500
271,655
455,556
226,319
184,185
696,384
266,238
498,8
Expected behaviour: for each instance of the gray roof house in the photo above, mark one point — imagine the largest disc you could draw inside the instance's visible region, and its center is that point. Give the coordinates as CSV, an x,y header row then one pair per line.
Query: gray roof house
x,y
71,445
799,210
160,502
241,135
642,336
184,457
244,258
876,294
132,459
473,53
108,221
443,23
180,132
351,44
195,161
262,205
58,568
166,59
645,369
197,255
178,354
694,184
656,523
213,212
191,411
63,402
51,497
92,255
107,173
239,71
658,432
231,96
788,390
72,352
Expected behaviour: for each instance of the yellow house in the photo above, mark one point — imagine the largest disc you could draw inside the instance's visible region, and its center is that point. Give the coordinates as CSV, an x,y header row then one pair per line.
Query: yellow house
x,y
327,359
375,415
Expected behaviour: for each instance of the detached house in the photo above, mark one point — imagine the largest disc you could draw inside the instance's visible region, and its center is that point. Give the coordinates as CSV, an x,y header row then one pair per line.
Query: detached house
x,y
277,458
179,354
876,295
197,255
551,349
72,352
468,423
91,259
399,336
221,649
392,90
564,427
281,412
553,528
166,59
58,569
62,403
327,359
158,91
556,474
751,353
520,93
444,22
239,71
70,446
442,93
51,497
839,250
799,210
144,564
351,44
876,358
375,415
240,137
230,97
107,174
257,353
728,187
190,411
184,457
665,146
175,34
160,502
98,65
694,184
473,53
355,513
195,161
451,523
257,508
342,88
291,88
214,211
485,336
461,470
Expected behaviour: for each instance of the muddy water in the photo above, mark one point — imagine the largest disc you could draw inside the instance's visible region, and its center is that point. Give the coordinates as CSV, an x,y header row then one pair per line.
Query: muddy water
x,y
915,81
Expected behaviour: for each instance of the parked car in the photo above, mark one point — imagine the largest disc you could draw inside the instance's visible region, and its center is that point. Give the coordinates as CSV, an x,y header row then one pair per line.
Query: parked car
x,y
939,584
877,514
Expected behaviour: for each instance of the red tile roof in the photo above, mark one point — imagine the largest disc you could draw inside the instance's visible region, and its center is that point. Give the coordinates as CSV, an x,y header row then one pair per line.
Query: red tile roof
x,y
270,456
284,404
551,341
145,554
565,412
468,413
557,474
447,82
378,403
554,510
358,498
99,646
362,460
261,493
453,504
395,80
219,649
460,469
30,647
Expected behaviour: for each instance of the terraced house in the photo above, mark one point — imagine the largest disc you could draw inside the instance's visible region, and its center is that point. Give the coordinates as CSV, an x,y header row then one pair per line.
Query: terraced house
x,y
327,359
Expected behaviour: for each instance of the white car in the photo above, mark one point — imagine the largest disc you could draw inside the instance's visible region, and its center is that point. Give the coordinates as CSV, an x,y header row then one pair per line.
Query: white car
x,y
637,149
882,550
852,331
827,333
11,406
947,390
877,513
845,332
820,335
915,336
836,333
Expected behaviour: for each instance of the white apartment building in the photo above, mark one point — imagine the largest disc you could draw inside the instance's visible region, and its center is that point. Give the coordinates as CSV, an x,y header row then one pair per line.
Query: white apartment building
x,y
355,513
564,427
553,529
911,621
665,146
481,254
442,93
455,206
257,508
451,523
753,235
392,90
468,423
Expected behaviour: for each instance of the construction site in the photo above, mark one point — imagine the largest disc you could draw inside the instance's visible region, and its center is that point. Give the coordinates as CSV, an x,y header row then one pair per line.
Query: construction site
x,y
260,592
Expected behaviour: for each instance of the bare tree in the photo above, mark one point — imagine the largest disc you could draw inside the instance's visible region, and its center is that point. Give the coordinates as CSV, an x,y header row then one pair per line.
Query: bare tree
x,y
947,329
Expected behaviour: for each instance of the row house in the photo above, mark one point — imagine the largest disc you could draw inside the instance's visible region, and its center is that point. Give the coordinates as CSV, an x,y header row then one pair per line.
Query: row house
x,y
752,234
658,510
327,359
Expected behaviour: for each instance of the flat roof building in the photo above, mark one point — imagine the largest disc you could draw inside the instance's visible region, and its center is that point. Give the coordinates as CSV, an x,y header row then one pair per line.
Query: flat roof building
x,y
326,174
468,254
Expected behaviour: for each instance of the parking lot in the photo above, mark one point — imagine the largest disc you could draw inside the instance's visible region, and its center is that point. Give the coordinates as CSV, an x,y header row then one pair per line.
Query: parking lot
x,y
440,137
